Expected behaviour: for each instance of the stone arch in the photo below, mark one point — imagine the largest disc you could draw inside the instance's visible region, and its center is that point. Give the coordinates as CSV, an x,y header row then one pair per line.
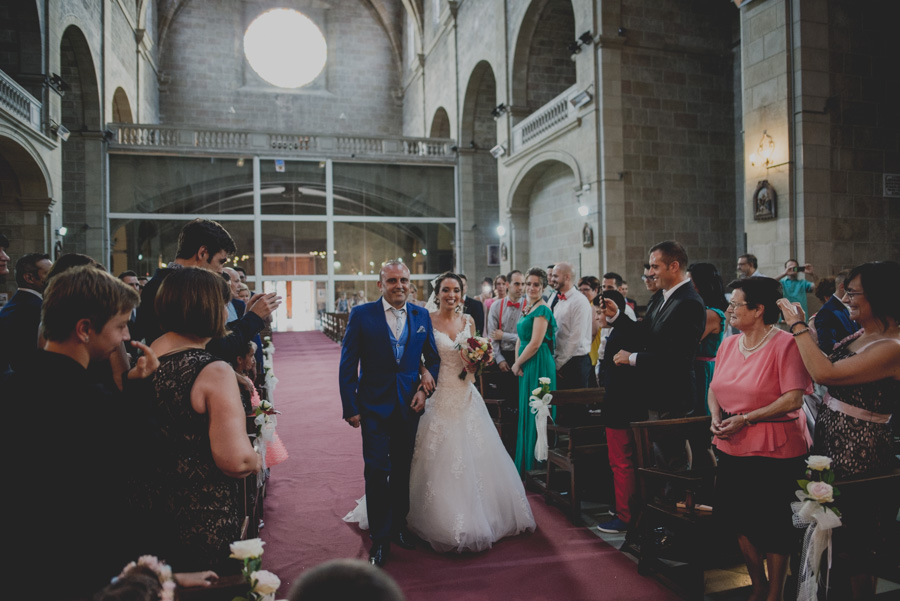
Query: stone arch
x,y
478,187
543,226
82,153
121,108
21,51
25,197
440,124
542,68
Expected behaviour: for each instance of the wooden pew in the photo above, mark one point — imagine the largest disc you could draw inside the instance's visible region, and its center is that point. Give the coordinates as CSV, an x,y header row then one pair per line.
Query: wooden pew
x,y
500,391
577,445
663,529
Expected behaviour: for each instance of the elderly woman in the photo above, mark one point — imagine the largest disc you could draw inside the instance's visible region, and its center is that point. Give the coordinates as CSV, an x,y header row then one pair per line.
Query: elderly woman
x,y
204,449
755,401
862,376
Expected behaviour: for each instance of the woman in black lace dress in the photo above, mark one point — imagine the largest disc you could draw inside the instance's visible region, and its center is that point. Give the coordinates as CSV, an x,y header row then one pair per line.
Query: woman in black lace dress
x,y
863,379
204,449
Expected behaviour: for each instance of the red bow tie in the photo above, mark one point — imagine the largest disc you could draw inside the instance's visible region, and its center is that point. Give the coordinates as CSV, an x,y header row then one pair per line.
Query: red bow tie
x,y
561,296
509,303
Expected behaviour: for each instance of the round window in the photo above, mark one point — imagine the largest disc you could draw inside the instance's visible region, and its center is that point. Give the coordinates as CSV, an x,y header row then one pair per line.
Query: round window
x,y
285,48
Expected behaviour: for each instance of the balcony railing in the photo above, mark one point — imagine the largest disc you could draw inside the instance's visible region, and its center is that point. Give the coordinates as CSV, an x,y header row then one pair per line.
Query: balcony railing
x,y
17,101
165,138
545,120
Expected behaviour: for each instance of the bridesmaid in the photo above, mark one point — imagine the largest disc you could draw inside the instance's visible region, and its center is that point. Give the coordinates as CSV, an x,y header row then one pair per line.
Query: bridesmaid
x,y
534,359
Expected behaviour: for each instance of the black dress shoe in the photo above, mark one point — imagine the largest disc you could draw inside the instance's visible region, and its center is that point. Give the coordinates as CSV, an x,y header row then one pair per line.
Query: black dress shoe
x,y
405,539
378,554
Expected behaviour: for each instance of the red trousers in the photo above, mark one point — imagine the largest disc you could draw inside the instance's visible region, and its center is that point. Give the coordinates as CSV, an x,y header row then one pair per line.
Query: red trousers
x,y
621,459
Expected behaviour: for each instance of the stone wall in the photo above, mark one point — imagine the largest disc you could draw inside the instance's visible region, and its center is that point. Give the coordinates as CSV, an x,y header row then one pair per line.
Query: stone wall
x,y
553,221
207,81
678,131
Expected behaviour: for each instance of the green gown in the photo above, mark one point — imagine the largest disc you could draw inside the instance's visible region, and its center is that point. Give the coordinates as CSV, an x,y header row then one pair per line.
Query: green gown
x,y
541,365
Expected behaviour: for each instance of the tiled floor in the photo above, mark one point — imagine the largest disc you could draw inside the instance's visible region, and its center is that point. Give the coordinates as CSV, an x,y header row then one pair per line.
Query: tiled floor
x,y
728,584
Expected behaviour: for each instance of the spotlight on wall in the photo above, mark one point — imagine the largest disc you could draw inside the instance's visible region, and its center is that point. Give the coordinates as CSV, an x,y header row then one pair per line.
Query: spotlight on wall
x,y
57,84
583,40
501,230
62,231
240,162
583,210
580,99
498,111
498,151
763,154
61,131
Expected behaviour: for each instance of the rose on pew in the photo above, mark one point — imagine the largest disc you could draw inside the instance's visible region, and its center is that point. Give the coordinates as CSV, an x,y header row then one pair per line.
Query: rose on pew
x,y
247,549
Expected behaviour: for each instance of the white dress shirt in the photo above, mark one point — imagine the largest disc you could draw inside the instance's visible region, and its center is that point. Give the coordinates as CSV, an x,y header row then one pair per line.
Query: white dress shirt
x,y
511,317
573,319
392,319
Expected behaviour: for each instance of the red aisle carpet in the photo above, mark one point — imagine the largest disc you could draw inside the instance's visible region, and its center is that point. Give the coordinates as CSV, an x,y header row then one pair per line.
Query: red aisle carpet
x,y
310,493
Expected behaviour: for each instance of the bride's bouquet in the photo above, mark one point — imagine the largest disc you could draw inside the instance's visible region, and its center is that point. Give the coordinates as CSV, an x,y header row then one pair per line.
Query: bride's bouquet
x,y
479,352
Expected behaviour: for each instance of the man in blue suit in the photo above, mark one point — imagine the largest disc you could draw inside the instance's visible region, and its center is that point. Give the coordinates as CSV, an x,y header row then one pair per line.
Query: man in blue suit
x,y
20,318
833,322
381,391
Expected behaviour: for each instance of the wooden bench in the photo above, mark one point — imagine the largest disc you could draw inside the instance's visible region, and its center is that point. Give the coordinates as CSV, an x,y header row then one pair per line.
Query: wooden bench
x,y
334,325
500,391
662,528
577,445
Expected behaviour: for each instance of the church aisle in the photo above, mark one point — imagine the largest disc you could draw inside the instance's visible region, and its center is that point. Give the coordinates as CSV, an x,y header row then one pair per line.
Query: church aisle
x,y
310,493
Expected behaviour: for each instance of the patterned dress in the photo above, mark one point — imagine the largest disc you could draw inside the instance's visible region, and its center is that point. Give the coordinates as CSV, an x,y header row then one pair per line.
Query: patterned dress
x,y
857,446
198,505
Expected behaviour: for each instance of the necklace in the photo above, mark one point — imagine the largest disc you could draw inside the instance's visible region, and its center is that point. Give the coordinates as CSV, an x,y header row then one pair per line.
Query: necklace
x,y
750,349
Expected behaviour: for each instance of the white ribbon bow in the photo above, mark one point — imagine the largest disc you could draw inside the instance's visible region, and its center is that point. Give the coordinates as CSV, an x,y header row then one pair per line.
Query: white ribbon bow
x,y
541,410
819,521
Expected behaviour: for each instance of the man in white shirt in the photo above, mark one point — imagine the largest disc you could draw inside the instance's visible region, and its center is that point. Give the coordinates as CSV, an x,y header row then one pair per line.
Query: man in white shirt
x,y
502,318
573,336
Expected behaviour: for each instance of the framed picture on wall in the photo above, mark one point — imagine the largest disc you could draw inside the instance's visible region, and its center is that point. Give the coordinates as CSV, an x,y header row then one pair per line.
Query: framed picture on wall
x,y
493,254
764,202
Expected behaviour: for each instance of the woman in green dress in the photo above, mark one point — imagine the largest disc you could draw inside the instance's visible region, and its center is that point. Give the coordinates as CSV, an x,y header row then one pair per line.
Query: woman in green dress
x,y
534,359
708,284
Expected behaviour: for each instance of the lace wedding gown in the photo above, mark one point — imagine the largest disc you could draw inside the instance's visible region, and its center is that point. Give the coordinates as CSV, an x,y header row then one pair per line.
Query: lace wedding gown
x,y
464,490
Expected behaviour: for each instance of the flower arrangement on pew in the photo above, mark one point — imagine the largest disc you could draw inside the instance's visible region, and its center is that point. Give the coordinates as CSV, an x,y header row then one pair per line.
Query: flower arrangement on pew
x,y
814,512
479,352
263,584
269,365
266,419
540,407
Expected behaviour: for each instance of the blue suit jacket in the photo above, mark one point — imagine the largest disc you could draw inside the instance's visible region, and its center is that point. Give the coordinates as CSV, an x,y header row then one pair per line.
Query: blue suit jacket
x,y
20,320
833,324
371,380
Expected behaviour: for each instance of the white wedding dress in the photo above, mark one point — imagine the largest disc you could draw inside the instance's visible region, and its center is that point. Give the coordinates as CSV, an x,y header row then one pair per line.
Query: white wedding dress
x,y
464,490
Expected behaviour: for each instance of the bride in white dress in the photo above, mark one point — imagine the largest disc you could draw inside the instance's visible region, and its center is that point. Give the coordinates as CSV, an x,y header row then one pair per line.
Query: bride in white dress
x,y
464,490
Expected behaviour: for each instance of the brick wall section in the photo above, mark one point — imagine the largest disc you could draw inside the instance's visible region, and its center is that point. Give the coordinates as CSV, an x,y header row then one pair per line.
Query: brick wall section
x,y
865,135
208,82
554,227
550,68
678,132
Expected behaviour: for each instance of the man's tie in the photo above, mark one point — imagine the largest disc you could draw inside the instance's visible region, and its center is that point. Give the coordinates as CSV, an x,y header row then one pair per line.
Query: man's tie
x,y
398,325
509,303
555,300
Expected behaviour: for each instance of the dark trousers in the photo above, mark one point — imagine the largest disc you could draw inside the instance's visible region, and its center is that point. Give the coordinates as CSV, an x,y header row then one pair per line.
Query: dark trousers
x,y
387,448
575,373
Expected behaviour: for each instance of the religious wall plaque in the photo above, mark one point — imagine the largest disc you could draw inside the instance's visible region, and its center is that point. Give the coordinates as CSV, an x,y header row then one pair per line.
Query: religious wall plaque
x,y
764,201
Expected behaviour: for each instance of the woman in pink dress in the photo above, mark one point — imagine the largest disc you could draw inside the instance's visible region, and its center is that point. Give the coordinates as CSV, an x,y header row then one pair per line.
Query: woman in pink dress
x,y
755,400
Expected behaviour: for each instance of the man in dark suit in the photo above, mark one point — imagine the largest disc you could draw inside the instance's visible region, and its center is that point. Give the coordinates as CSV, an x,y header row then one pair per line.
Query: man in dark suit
x,y
666,340
833,322
381,392
473,307
20,318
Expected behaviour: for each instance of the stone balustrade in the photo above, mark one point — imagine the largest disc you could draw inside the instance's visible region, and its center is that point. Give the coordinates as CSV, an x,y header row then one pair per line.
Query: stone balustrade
x,y
19,103
543,121
181,140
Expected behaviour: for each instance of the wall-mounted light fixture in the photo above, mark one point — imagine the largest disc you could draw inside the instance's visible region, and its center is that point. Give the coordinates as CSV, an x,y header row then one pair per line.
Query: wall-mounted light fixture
x,y
764,151
62,132
501,230
57,84
498,111
498,151
62,231
580,99
583,40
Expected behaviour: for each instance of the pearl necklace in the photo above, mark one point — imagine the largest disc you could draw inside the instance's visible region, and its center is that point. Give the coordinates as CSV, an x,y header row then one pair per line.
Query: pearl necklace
x,y
750,349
